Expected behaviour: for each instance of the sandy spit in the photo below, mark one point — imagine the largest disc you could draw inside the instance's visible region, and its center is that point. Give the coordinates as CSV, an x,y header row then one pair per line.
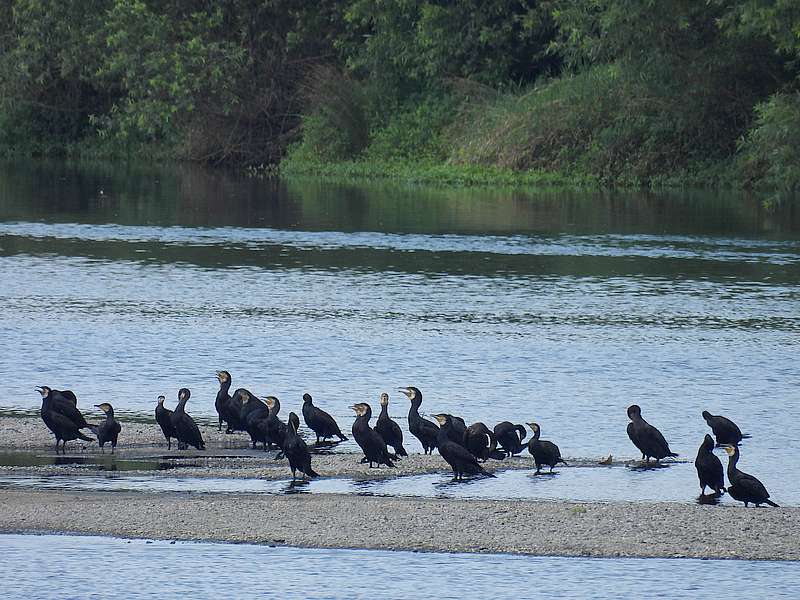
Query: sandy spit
x,y
225,455
337,521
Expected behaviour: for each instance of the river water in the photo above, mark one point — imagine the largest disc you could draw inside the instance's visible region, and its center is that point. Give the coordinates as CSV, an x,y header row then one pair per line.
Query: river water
x,y
33,566
560,306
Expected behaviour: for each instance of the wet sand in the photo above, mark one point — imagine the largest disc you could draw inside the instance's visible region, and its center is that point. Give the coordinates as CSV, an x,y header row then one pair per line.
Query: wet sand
x,y
352,521
335,521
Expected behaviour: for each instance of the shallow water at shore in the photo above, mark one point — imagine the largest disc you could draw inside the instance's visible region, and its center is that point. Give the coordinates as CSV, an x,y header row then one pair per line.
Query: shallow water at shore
x,y
34,566
672,483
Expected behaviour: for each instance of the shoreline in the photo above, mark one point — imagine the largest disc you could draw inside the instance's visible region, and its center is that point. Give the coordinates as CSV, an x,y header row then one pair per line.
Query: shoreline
x,y
414,524
336,520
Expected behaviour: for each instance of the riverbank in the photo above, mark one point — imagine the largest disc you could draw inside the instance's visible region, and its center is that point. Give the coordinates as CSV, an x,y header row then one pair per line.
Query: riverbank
x,y
336,521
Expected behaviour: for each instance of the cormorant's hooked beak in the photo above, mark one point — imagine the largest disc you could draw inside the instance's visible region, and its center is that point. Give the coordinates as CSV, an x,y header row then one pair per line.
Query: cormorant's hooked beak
x,y
39,389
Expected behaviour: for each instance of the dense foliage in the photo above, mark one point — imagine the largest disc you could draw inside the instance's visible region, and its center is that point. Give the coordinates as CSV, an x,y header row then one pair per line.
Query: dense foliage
x,y
615,90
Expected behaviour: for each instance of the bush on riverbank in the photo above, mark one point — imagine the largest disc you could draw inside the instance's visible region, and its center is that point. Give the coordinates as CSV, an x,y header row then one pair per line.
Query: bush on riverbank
x,y
618,91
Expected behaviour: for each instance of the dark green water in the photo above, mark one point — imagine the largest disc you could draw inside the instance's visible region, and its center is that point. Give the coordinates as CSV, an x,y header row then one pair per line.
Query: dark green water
x,y
123,283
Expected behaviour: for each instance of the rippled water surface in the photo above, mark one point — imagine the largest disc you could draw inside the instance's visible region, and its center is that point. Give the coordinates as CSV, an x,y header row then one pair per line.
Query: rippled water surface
x,y
123,283
97,567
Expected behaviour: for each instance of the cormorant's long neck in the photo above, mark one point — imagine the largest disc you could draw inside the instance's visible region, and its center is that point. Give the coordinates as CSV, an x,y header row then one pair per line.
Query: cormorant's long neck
x,y
733,459
442,435
536,434
181,405
224,387
274,410
110,414
384,411
414,410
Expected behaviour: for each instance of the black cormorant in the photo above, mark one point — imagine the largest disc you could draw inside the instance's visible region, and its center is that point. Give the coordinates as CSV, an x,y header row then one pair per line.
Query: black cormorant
x,y
276,429
645,437
457,456
481,443
65,403
725,430
709,467
510,437
422,429
543,452
188,433
225,411
368,439
164,420
320,422
390,431
457,430
743,487
108,430
254,419
63,428
295,449
229,407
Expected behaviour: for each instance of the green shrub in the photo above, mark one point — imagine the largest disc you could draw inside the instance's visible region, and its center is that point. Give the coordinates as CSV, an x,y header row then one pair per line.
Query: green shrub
x,y
414,131
771,151
336,124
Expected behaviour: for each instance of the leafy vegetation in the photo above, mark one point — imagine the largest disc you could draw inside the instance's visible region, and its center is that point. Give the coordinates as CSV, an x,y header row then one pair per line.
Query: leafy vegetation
x,y
604,91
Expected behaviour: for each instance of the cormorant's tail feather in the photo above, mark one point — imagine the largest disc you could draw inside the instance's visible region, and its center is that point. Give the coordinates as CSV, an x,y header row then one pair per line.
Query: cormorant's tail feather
x,y
342,437
401,451
487,474
92,428
311,472
746,436
497,455
673,454
561,460
771,503
85,438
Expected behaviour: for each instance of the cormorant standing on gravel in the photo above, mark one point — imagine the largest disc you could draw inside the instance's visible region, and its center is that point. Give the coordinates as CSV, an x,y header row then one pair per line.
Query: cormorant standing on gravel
x,y
65,403
188,433
390,431
368,439
543,452
229,407
295,449
481,443
276,429
108,430
457,456
223,404
457,430
63,428
422,429
725,430
743,487
164,420
645,437
709,467
320,422
254,419
510,437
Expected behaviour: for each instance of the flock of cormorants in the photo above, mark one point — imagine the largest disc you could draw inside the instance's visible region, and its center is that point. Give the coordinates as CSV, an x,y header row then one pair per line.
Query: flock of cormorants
x,y
463,447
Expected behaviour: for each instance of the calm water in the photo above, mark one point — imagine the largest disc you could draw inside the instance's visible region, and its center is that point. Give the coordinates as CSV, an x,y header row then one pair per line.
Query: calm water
x,y
96,567
565,307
